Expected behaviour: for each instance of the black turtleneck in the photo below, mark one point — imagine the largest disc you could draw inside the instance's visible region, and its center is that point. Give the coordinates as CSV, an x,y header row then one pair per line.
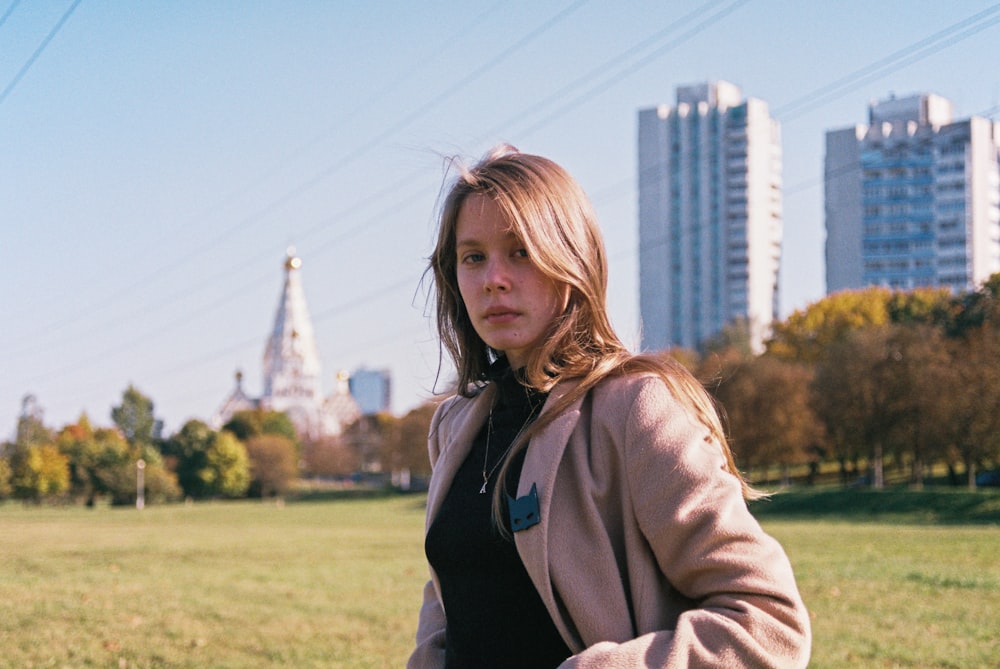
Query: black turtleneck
x,y
495,616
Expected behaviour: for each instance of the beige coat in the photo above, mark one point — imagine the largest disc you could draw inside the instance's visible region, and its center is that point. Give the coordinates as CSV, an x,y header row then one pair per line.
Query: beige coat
x,y
646,555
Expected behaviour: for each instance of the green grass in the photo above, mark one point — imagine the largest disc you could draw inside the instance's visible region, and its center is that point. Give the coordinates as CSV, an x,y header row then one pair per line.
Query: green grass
x,y
337,583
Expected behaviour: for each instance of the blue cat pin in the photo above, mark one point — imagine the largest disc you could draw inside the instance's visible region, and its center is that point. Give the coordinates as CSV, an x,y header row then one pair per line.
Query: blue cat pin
x,y
524,510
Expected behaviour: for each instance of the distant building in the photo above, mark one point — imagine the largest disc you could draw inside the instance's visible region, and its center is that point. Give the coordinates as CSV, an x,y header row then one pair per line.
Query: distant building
x,y
710,217
372,388
913,198
292,371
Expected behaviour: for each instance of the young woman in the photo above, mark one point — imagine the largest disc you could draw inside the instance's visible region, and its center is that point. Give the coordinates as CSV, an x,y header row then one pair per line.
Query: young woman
x,y
584,509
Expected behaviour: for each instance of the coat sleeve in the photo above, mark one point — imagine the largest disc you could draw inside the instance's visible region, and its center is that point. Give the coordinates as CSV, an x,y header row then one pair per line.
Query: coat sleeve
x,y
429,652
691,512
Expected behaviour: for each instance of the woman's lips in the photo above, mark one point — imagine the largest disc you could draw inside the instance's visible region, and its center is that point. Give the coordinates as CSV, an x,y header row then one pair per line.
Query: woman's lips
x,y
499,316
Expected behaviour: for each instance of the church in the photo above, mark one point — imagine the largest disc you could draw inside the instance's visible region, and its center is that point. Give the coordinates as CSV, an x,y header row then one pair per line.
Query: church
x,y
293,372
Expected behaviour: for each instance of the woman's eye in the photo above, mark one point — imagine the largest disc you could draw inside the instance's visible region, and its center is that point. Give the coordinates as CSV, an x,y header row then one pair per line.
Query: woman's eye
x,y
472,258
521,253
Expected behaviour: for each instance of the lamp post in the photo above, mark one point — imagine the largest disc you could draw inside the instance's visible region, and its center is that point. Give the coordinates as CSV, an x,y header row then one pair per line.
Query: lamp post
x,y
140,484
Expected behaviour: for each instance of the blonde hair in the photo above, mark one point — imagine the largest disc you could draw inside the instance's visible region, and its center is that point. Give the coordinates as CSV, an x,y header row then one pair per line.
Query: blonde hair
x,y
552,216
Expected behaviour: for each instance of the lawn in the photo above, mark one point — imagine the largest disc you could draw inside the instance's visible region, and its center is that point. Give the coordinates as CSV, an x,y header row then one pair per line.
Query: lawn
x,y
337,584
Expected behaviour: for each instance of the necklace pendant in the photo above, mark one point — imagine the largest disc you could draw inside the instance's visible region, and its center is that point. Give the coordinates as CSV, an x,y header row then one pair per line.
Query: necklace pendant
x,y
482,491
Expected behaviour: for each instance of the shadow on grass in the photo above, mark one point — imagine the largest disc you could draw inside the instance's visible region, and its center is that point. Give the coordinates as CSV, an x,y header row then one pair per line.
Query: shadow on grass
x,y
946,507
332,494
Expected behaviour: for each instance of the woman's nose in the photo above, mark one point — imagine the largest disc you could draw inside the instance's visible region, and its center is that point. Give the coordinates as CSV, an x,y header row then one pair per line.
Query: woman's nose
x,y
497,277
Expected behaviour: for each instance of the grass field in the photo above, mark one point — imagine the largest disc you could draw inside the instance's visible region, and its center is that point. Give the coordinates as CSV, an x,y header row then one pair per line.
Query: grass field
x,y
337,584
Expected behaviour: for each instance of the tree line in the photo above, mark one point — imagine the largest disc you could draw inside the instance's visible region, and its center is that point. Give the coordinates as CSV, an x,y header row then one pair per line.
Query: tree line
x,y
256,454
872,380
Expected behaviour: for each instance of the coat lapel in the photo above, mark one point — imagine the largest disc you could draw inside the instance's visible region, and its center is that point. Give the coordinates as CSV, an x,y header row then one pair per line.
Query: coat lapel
x,y
456,435
540,467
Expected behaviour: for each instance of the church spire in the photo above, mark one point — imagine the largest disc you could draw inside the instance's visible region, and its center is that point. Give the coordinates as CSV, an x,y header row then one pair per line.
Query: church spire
x,y
291,359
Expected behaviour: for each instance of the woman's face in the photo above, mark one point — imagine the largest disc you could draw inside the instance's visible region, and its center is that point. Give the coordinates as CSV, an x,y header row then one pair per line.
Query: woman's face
x,y
511,303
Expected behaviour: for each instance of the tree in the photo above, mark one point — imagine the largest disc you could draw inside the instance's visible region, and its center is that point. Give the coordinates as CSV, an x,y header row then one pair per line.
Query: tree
x,y
273,465
766,405
184,452
371,439
6,474
43,473
913,370
31,427
330,456
208,463
227,466
408,445
850,403
978,308
807,334
134,417
970,399
101,462
256,422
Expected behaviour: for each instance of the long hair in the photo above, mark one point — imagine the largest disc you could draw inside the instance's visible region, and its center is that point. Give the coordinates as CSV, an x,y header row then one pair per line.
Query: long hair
x,y
549,212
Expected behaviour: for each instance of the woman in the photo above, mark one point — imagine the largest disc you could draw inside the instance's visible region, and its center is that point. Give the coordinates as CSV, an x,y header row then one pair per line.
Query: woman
x,y
584,508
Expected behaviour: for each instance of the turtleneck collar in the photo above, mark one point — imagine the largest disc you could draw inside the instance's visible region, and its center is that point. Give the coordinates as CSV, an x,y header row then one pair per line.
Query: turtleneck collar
x,y
511,391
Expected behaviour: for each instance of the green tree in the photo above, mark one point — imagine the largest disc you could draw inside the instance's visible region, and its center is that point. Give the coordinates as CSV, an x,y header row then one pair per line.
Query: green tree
x,y
135,418
184,452
207,463
257,422
227,466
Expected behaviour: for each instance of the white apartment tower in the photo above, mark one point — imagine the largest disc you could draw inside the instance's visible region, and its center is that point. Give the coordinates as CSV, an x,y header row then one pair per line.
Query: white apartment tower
x,y
913,198
710,219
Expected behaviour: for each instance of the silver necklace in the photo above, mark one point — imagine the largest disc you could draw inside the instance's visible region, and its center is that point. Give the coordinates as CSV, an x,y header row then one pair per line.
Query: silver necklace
x,y
489,434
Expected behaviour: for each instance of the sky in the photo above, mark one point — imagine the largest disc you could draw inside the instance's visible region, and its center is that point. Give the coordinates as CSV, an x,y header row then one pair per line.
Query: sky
x,y
157,158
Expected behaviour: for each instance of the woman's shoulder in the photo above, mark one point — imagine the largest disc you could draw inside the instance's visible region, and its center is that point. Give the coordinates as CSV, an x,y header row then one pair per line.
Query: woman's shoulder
x,y
453,408
625,388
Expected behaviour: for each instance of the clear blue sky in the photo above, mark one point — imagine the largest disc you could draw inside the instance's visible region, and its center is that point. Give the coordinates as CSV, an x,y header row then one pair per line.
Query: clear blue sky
x,y
157,158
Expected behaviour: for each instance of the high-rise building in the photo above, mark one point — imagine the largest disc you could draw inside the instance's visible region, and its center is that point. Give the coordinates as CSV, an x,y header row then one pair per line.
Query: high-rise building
x,y
912,198
292,371
372,388
710,218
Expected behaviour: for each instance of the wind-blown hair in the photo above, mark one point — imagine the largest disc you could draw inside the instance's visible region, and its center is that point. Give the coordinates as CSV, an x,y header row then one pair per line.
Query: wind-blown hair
x,y
549,212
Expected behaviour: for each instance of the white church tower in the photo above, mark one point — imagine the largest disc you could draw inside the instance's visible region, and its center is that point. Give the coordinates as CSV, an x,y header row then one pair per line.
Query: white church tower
x,y
292,370
293,373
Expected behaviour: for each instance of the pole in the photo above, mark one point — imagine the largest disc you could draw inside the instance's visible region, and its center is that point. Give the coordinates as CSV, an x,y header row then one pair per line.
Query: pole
x,y
140,484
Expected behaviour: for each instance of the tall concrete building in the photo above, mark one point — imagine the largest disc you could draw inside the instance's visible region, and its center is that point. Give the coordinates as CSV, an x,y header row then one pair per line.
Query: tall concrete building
x,y
372,388
710,218
912,198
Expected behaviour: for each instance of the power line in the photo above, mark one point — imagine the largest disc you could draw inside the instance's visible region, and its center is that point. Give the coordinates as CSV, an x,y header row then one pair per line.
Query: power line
x,y
10,10
894,61
38,52
620,75
316,179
